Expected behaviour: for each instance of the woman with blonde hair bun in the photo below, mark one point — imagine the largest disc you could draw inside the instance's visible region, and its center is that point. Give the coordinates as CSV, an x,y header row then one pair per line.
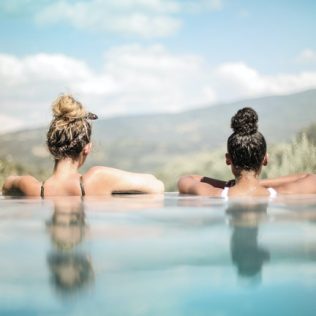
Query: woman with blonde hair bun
x,y
69,141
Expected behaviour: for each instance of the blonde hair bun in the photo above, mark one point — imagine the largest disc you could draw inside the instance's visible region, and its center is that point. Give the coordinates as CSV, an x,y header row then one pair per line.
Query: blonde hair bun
x,y
67,107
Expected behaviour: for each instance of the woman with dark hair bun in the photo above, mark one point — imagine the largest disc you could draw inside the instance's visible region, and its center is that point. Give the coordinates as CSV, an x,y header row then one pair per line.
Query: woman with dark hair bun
x,y
69,142
246,146
246,154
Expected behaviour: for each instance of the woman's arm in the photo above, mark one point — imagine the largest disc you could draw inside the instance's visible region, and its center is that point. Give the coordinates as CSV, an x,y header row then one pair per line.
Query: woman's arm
x,y
110,180
302,185
279,181
21,186
11,186
195,185
129,182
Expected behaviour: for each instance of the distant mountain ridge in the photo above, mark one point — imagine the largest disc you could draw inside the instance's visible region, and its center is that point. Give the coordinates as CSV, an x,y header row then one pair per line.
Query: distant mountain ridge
x,y
147,142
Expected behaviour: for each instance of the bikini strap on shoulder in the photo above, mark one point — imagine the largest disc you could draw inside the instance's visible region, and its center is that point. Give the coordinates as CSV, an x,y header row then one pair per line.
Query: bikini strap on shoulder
x,y
273,193
42,189
83,192
224,193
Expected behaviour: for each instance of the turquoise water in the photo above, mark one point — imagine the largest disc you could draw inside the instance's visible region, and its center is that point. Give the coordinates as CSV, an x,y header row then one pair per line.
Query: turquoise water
x,y
158,255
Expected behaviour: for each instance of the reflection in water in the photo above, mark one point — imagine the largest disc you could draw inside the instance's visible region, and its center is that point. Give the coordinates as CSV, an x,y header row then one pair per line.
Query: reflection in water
x,y
246,254
67,225
70,270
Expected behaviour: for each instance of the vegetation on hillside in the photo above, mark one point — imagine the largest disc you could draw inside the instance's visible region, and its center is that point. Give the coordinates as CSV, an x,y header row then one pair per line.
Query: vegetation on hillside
x,y
310,133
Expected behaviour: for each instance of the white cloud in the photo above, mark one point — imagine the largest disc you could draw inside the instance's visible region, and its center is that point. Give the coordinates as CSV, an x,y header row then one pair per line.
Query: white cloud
x,y
238,80
29,84
133,79
202,5
34,77
153,79
307,56
144,18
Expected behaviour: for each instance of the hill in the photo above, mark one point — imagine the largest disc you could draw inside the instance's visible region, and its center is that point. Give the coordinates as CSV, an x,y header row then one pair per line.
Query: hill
x,y
148,142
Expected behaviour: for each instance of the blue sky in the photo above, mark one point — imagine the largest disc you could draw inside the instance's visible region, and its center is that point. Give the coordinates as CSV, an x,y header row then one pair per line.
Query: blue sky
x,y
141,56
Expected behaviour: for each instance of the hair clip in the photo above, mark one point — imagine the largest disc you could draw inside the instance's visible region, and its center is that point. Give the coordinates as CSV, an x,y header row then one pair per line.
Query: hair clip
x,y
91,116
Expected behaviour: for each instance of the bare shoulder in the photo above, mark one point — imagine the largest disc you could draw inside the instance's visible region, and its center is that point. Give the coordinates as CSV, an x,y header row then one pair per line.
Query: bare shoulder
x,y
99,180
100,171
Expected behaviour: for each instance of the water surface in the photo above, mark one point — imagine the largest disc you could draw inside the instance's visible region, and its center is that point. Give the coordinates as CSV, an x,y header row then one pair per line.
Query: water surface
x,y
158,255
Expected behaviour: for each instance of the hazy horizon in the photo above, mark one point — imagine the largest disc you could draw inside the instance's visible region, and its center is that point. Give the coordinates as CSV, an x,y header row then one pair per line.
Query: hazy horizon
x,y
128,115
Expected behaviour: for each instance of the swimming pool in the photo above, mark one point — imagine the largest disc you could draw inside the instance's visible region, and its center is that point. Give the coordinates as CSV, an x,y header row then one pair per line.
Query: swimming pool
x,y
158,255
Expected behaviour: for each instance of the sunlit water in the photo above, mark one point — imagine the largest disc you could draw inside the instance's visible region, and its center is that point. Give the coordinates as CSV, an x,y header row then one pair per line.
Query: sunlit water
x,y
158,255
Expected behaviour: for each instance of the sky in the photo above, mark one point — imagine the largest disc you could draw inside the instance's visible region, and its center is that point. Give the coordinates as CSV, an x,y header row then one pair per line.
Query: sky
x,y
127,57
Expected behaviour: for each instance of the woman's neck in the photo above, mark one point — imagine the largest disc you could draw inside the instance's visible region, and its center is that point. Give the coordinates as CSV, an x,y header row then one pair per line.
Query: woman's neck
x,y
249,177
65,167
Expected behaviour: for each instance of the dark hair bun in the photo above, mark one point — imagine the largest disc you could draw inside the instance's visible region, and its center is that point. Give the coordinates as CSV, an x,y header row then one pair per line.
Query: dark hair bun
x,y
245,122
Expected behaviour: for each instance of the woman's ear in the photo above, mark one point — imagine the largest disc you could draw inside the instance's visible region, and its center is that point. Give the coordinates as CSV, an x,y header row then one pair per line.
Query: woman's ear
x,y
87,149
228,159
265,159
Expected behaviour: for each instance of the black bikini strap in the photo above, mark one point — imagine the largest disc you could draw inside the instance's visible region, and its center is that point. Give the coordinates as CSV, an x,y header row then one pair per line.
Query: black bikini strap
x,y
83,192
42,189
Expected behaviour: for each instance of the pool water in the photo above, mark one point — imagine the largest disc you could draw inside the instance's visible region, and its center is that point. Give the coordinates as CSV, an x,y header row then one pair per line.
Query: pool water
x,y
158,255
